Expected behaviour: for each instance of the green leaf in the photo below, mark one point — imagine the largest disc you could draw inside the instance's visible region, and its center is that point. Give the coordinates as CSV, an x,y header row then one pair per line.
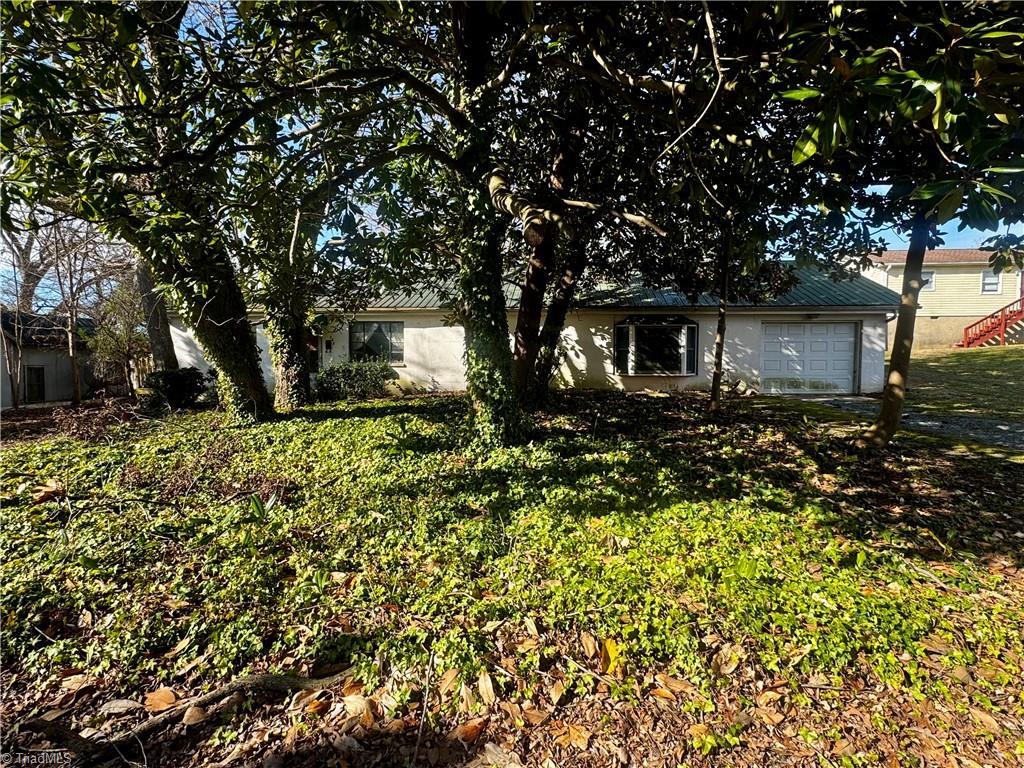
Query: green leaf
x,y
801,94
935,189
949,205
807,145
140,92
1004,170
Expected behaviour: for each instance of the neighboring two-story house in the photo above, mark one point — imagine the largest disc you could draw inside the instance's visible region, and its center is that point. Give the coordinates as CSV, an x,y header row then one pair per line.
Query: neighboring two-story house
x,y
960,291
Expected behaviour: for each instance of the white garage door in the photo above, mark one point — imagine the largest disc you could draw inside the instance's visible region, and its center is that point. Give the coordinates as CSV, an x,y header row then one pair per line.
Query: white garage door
x,y
808,357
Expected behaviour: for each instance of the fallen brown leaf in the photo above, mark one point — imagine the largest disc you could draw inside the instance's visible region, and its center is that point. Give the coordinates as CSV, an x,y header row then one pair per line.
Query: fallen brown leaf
x,y
469,731
160,699
194,715
486,688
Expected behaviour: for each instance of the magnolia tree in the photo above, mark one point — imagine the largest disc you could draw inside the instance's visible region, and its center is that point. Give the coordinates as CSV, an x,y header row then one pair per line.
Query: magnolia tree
x,y
926,102
139,117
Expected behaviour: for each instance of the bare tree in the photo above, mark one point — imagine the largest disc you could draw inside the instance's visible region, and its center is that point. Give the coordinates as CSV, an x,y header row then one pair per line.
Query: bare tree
x,y
12,329
28,257
86,266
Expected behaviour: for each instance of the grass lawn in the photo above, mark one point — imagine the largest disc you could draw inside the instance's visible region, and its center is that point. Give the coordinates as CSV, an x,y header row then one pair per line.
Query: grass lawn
x,y
634,586
987,381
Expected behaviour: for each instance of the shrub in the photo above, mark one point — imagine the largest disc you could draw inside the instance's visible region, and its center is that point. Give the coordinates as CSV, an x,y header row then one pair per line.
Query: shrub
x,y
181,388
354,381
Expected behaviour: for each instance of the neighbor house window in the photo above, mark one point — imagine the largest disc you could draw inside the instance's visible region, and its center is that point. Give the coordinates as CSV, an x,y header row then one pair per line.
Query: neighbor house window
x,y
649,344
927,281
377,341
990,281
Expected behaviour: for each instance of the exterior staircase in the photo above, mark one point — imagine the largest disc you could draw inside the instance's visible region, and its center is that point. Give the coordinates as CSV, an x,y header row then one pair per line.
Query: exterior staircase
x,y
1002,326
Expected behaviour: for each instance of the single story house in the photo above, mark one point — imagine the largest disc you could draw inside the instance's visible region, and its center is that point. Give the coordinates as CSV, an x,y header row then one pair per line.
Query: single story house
x,y
959,290
822,336
42,342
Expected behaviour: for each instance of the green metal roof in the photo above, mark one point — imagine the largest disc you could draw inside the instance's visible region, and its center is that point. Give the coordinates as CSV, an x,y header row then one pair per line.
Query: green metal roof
x,y
813,289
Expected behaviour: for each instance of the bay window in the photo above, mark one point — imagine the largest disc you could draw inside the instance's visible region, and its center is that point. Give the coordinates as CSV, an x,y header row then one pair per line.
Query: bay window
x,y
656,345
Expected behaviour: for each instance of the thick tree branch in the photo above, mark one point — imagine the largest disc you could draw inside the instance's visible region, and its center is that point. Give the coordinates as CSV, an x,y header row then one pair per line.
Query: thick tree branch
x,y
633,218
536,219
644,82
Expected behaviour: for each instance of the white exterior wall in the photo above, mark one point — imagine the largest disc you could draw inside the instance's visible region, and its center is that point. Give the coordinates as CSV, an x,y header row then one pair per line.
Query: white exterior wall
x,y
588,361
434,350
189,352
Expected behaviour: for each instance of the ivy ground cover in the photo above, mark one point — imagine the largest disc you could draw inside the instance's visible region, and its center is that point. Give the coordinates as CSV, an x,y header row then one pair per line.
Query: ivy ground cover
x,y
636,585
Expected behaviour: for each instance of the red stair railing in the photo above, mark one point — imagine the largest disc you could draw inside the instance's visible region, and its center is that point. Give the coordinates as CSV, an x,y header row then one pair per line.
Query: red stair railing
x,y
997,321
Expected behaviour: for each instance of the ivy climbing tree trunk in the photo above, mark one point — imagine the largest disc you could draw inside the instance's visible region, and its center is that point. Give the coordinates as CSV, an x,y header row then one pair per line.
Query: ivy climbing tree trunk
x,y
286,338
497,416
158,327
882,431
210,302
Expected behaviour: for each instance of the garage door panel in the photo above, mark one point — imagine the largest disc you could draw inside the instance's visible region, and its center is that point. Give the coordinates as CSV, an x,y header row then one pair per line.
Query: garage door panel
x,y
808,357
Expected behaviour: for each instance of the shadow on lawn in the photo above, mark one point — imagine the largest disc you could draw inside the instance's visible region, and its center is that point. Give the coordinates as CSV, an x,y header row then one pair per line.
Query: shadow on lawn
x,y
440,408
923,496
942,499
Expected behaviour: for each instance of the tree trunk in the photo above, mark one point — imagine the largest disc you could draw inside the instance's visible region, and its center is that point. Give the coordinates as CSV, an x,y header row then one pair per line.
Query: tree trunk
x,y
554,322
12,360
497,416
76,373
30,280
221,326
531,307
531,303
715,403
888,421
158,328
286,337
210,302
129,385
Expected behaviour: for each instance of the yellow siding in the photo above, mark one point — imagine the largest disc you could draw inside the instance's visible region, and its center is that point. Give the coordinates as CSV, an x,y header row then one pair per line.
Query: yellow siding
x,y
958,290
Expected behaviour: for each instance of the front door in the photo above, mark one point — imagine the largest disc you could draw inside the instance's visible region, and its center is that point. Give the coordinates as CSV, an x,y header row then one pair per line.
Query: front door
x,y
35,384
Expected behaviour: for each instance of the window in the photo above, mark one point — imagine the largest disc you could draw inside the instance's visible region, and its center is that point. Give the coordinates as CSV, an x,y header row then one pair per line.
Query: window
x,y
990,282
377,341
656,345
927,281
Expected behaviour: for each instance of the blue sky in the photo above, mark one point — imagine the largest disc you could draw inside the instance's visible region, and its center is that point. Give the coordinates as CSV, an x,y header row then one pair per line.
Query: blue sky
x,y
969,238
